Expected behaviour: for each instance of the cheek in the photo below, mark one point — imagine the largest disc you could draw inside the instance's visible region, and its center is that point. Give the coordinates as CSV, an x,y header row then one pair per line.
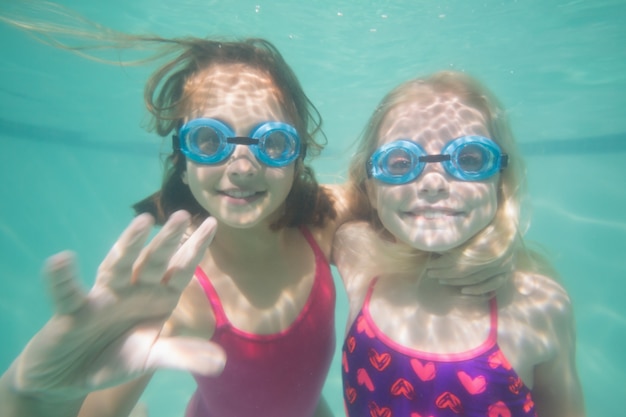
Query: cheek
x,y
281,179
388,201
484,205
195,175
394,195
201,179
279,182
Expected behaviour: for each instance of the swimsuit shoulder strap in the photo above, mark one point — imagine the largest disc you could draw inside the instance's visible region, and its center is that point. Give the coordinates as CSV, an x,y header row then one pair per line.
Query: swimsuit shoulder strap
x,y
214,299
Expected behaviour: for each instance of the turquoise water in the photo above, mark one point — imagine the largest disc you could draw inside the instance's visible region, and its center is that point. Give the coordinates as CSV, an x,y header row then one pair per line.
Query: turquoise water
x,y
75,155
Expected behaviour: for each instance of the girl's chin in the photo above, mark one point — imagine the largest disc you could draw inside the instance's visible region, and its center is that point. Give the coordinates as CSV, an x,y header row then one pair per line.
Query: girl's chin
x,y
247,219
436,244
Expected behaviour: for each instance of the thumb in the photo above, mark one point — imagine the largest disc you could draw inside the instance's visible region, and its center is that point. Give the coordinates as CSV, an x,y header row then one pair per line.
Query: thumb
x,y
188,354
62,283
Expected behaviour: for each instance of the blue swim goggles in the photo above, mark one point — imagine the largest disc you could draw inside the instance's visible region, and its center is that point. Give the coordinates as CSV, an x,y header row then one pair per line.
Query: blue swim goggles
x,y
209,141
468,158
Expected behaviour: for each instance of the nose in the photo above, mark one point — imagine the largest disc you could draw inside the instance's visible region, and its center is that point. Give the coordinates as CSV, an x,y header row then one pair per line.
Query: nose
x,y
432,183
242,162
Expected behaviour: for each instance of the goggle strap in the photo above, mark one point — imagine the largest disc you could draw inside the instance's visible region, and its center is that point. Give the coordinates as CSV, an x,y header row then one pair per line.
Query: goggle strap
x,y
175,142
242,140
504,161
434,158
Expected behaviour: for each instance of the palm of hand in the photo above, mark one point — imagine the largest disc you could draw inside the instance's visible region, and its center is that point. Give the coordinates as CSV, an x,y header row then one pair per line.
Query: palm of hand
x,y
114,333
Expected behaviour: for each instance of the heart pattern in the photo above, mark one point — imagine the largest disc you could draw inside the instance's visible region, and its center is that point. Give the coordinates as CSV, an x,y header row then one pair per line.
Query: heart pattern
x,y
363,378
379,361
451,401
529,404
362,326
381,380
404,388
351,395
515,385
472,385
425,372
498,359
498,409
377,411
351,344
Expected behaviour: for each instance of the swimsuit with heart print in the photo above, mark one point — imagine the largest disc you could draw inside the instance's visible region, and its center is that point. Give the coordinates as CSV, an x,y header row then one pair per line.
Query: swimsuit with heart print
x,y
382,378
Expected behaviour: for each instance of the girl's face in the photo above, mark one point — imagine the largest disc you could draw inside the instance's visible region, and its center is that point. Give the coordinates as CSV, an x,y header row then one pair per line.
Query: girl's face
x,y
436,212
240,192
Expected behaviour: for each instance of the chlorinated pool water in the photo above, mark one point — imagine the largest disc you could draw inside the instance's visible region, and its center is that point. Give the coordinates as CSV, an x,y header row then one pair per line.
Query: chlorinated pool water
x,y
75,152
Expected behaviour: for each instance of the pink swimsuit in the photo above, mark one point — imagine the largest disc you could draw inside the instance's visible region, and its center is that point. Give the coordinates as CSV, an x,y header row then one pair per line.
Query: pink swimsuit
x,y
382,378
274,375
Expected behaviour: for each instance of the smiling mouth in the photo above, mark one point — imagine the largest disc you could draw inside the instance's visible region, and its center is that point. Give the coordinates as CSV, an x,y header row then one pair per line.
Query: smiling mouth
x,y
433,214
241,194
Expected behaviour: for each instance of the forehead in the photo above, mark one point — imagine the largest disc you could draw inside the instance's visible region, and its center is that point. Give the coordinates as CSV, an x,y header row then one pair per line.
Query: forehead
x,y
233,92
432,119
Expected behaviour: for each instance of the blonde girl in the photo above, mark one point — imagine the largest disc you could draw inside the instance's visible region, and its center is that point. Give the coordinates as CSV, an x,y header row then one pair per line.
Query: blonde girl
x,y
437,174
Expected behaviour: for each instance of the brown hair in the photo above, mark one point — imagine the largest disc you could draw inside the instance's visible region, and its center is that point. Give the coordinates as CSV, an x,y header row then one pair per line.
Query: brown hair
x,y
307,203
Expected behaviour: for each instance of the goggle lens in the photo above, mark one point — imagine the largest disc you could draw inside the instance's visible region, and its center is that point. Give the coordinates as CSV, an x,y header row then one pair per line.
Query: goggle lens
x,y
206,141
278,145
398,162
471,158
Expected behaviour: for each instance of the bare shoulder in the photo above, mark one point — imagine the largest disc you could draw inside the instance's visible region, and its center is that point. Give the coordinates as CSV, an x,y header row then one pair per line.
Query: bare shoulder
x,y
325,234
544,305
353,241
545,293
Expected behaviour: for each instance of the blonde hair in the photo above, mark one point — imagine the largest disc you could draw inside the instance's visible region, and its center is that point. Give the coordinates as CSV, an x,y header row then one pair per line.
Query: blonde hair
x,y
503,234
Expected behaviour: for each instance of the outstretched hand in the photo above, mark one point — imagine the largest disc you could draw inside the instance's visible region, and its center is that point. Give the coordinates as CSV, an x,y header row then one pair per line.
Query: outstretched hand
x,y
113,333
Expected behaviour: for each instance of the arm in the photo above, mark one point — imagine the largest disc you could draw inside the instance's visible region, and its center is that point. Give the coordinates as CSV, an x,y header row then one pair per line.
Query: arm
x,y
557,390
113,334
116,401
351,253
111,402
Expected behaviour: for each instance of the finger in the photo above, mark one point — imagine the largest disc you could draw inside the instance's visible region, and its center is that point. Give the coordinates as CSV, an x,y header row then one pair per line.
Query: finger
x,y
446,267
445,261
196,355
485,287
63,283
444,274
119,261
477,297
183,263
154,258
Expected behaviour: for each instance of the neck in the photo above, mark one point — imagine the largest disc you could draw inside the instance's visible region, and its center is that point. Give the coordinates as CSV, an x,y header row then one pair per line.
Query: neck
x,y
245,243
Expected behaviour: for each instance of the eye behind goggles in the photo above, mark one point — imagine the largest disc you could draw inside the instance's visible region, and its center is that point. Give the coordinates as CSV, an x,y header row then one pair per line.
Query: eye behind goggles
x,y
468,158
210,141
